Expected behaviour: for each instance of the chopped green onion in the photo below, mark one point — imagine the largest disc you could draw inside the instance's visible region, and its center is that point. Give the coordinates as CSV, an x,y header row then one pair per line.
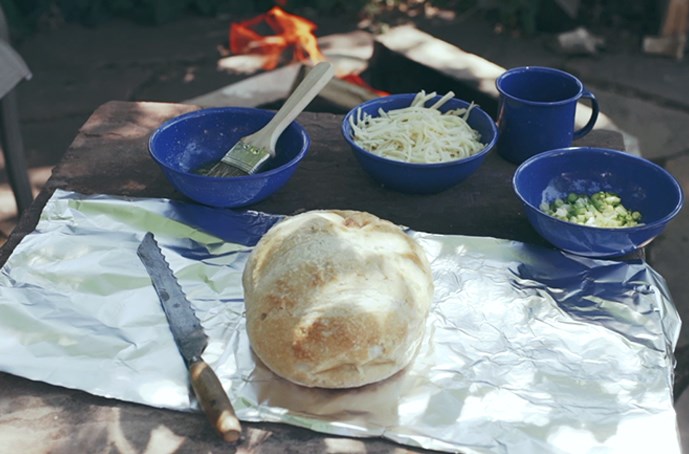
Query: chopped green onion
x,y
602,209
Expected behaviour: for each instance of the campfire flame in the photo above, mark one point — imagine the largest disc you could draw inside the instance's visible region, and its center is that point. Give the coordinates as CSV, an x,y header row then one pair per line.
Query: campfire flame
x,y
291,32
358,80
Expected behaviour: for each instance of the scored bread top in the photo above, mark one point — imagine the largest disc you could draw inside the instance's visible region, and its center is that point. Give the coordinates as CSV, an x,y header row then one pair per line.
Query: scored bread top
x,y
336,299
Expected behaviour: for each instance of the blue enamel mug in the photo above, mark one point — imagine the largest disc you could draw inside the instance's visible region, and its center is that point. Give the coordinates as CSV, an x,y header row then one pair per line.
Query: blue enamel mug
x,y
536,111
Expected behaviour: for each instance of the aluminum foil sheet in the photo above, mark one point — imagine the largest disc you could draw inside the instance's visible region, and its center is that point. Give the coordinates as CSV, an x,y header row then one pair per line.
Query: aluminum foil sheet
x,y
527,350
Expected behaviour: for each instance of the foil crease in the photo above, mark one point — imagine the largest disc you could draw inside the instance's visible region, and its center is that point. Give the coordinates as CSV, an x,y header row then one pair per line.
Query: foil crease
x,y
526,349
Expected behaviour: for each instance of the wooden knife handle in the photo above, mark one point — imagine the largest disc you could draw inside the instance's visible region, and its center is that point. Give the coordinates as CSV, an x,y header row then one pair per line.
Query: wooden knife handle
x,y
214,401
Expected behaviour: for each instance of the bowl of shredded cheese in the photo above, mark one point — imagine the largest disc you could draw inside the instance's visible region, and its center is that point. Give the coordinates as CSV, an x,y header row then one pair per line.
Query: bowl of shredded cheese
x,y
419,143
597,202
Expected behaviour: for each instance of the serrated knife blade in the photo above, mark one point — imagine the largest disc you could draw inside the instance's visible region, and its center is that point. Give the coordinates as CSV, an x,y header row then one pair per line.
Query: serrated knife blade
x,y
191,340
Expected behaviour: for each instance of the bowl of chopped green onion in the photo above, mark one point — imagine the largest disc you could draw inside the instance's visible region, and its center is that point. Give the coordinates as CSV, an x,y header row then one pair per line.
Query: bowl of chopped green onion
x,y
419,143
597,202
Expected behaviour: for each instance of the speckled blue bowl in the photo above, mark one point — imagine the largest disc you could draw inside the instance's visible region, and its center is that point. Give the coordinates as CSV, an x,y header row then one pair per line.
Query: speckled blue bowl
x,y
642,185
185,143
420,178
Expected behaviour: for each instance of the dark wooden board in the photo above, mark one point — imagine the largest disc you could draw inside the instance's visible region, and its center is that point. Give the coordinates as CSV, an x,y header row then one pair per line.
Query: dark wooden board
x,y
109,156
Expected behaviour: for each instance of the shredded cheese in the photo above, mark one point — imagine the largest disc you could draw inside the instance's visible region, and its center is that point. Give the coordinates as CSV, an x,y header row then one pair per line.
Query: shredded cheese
x,y
417,133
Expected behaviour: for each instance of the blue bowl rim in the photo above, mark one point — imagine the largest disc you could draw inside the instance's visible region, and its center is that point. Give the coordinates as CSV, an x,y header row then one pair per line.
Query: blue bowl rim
x,y
489,146
212,110
600,150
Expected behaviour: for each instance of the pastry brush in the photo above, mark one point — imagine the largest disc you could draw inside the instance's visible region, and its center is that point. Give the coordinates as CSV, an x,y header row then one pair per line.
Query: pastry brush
x,y
250,153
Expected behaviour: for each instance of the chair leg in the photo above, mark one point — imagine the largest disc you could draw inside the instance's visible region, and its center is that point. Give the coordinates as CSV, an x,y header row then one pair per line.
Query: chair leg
x,y
681,371
13,149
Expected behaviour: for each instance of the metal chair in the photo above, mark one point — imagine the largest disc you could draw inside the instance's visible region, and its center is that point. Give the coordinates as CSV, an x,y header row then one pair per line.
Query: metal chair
x,y
12,71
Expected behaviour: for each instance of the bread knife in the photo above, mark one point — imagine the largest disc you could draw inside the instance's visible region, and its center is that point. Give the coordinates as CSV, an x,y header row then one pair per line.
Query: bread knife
x,y
191,341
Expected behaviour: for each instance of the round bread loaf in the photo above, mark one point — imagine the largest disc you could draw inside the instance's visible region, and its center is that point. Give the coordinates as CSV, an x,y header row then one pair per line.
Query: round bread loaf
x,y
336,299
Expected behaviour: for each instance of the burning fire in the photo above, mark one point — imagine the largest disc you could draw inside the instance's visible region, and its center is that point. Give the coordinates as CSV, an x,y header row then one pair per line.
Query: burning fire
x,y
290,32
357,80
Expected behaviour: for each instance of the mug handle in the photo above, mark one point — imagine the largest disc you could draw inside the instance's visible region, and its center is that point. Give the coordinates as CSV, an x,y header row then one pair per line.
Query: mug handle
x,y
594,115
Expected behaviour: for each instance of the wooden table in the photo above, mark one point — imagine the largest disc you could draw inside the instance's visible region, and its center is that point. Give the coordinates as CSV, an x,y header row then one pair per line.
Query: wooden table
x,y
109,156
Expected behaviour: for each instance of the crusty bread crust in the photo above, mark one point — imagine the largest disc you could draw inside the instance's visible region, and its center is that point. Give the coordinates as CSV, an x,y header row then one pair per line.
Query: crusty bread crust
x,y
336,299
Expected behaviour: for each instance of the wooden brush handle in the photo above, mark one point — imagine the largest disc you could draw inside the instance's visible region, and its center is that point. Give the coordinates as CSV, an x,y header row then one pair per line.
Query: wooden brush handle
x,y
214,401
313,83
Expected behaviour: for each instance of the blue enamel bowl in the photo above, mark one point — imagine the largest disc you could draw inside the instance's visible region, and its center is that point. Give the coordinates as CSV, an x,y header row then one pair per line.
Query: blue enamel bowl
x,y
183,144
418,178
642,185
